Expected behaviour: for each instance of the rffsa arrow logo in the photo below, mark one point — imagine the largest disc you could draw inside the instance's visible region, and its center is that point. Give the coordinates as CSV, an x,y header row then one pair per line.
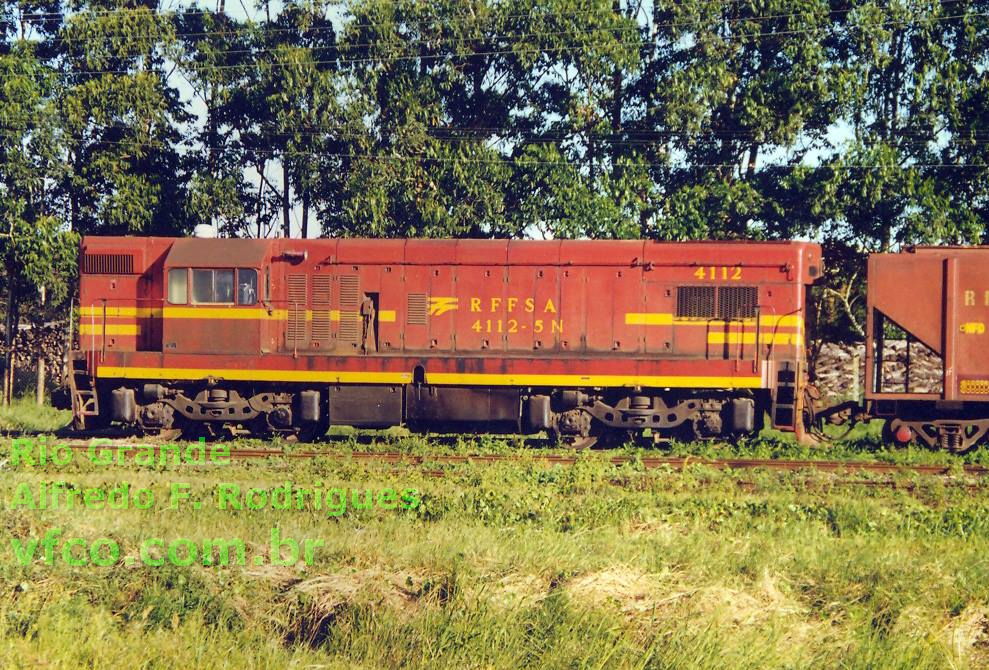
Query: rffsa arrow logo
x,y
440,306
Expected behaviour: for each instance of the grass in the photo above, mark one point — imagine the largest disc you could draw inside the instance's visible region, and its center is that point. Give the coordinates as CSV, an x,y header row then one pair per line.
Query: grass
x,y
516,564
23,414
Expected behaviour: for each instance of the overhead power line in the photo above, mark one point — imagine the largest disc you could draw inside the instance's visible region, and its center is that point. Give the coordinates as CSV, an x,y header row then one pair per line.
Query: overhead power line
x,y
470,54
509,160
515,36
195,11
440,21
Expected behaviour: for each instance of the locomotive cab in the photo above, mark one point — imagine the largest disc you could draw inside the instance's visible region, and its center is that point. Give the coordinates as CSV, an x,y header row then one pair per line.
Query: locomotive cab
x,y
209,283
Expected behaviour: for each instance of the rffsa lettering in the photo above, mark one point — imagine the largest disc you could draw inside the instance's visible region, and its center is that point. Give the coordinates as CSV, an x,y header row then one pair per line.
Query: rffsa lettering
x,y
511,305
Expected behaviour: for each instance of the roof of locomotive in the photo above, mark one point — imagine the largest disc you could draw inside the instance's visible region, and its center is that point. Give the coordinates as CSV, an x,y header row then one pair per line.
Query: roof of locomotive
x,y
206,251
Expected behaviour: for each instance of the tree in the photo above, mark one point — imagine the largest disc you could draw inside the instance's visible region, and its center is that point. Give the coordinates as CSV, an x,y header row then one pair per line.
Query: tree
x,y
299,105
424,77
576,128
118,111
744,92
893,184
38,253
217,57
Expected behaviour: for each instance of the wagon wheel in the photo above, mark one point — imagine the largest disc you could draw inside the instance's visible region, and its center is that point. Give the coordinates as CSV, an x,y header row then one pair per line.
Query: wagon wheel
x,y
887,433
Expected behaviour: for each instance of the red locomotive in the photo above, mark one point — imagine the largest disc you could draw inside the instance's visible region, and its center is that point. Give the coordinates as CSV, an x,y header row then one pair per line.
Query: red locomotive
x,y
587,340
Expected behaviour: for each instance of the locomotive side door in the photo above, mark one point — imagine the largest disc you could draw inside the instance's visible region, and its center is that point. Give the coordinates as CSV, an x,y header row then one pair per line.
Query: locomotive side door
x,y
657,317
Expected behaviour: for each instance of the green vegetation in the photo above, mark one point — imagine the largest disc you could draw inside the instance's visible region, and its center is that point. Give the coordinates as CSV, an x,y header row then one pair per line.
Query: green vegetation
x,y
25,415
518,564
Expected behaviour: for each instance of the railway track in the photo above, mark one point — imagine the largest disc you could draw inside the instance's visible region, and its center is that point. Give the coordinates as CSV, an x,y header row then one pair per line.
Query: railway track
x,y
674,463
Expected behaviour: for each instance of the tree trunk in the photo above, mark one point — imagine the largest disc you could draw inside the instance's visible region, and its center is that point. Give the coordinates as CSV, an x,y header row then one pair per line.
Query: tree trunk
x,y
9,386
305,213
73,198
261,181
286,226
40,394
617,84
67,357
8,341
39,343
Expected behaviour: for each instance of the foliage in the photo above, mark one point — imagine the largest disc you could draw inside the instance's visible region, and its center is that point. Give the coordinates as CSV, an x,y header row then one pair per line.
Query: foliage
x,y
857,124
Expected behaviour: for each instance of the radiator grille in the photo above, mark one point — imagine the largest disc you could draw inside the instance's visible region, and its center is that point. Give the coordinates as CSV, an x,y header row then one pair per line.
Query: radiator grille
x,y
417,308
695,302
350,318
322,286
724,302
108,264
295,329
737,302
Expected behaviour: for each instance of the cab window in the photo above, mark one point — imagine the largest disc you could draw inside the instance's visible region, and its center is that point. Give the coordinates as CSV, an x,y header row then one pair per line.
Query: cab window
x,y
212,286
178,286
247,286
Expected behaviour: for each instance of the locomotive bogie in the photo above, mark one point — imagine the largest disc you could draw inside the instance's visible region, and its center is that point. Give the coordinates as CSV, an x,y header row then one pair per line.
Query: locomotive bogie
x,y
155,409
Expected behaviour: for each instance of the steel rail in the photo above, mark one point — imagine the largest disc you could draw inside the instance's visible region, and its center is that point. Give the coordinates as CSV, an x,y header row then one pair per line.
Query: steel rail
x,y
672,462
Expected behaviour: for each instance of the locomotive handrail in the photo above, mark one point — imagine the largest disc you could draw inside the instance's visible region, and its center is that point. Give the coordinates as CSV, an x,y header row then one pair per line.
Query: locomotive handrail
x,y
295,340
92,329
758,336
559,264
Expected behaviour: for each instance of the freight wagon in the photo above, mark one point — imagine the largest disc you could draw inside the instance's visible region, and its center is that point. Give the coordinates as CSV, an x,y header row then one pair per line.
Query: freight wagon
x,y
937,297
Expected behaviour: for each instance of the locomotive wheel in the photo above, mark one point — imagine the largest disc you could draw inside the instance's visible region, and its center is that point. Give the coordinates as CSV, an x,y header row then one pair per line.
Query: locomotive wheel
x,y
578,442
309,433
194,430
163,434
614,439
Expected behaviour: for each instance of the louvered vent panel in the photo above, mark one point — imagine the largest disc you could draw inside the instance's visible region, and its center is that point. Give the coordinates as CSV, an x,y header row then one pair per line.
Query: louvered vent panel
x,y
695,302
295,329
350,317
737,302
108,264
322,287
418,308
